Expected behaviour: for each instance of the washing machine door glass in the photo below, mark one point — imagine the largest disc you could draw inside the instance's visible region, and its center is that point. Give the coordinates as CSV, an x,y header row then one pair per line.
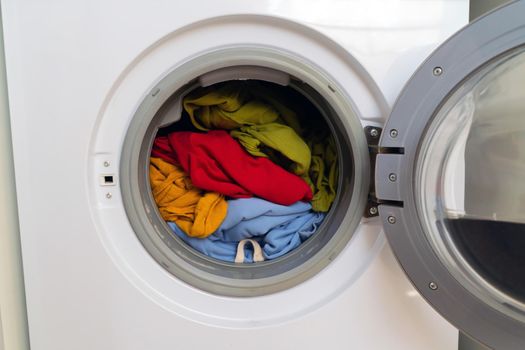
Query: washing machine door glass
x,y
452,179
470,177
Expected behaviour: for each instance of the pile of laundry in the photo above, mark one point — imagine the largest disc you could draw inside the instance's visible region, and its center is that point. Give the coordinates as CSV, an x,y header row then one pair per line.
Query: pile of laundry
x,y
242,178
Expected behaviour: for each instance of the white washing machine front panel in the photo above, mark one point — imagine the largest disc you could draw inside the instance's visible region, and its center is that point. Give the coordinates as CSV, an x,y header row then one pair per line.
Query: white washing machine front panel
x,y
120,239
77,73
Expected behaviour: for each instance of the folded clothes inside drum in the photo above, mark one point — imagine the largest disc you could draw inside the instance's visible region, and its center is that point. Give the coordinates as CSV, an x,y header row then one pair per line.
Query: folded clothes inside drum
x,y
278,229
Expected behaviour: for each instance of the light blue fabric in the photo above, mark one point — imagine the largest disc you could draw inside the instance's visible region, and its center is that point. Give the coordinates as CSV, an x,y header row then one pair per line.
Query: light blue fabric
x,y
278,229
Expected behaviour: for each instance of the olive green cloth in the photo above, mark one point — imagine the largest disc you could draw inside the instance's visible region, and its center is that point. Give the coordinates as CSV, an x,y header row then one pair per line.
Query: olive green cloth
x,y
323,174
261,127
226,107
259,119
279,137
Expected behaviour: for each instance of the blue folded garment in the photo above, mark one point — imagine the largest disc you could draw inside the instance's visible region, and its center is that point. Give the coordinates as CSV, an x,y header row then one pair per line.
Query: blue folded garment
x,y
278,229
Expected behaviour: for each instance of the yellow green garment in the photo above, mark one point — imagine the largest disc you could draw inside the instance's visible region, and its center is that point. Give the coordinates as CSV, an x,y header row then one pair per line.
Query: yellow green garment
x,y
261,124
265,127
323,174
227,107
256,138
196,212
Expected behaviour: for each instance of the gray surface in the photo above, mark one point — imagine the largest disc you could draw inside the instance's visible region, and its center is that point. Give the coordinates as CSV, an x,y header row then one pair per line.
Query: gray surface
x,y
459,57
466,343
480,7
13,323
265,277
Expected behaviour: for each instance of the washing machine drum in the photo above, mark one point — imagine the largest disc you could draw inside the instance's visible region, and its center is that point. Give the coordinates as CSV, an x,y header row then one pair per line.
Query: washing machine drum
x,y
245,171
452,179
244,246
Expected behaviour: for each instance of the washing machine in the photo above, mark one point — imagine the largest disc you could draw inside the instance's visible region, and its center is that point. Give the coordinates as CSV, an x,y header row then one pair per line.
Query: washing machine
x,y
91,84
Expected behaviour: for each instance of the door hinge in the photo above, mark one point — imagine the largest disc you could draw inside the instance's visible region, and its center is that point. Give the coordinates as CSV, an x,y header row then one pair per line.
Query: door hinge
x,y
373,133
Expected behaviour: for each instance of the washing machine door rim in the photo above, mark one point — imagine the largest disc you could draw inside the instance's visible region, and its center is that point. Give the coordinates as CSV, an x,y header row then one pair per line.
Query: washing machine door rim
x,y
440,131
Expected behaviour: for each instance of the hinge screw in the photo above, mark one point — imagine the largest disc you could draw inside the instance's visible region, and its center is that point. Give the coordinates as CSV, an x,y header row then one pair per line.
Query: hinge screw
x,y
374,133
372,210
433,286
393,133
108,195
392,177
391,219
106,164
437,71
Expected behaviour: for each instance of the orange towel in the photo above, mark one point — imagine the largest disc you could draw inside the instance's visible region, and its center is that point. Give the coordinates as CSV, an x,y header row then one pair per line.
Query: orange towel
x,y
196,212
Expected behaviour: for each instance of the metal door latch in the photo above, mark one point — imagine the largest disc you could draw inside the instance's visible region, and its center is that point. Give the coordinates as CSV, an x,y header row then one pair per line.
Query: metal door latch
x,y
373,133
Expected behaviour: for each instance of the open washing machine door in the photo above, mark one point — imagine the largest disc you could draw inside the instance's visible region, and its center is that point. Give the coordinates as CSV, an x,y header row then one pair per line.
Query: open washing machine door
x,y
449,178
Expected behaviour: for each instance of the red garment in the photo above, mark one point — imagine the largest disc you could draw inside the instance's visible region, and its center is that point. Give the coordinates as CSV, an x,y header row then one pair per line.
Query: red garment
x,y
162,149
216,162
